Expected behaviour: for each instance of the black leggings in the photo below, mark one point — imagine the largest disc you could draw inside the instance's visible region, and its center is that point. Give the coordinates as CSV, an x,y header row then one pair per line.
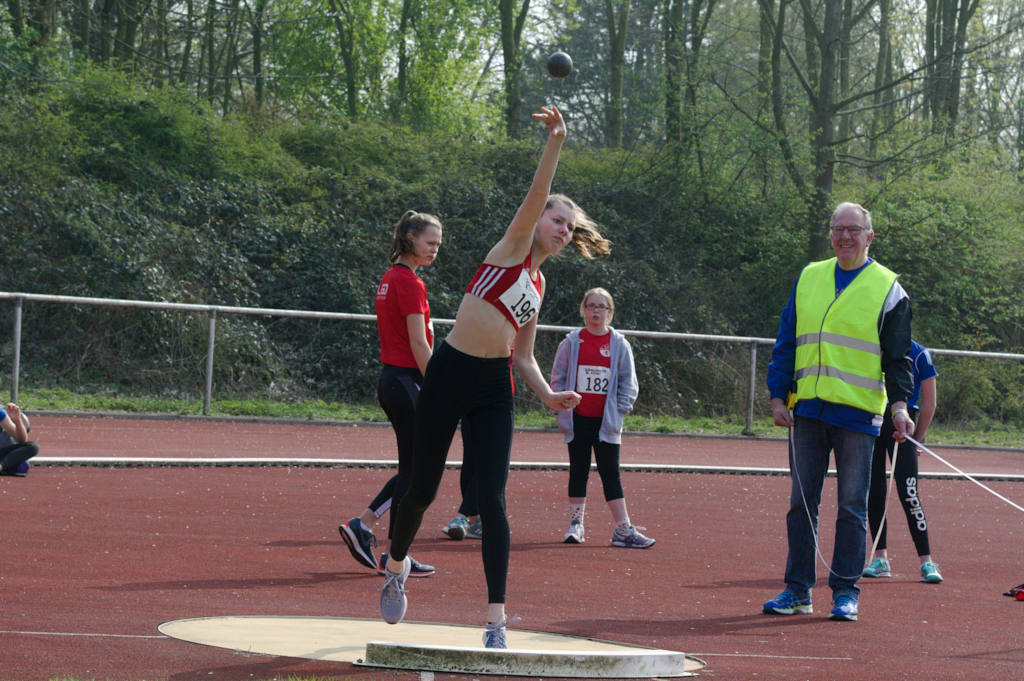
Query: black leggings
x,y
397,392
478,391
467,482
12,456
904,484
585,436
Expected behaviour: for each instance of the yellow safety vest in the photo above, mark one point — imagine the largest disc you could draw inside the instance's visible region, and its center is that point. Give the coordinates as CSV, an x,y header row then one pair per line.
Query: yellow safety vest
x,y
838,352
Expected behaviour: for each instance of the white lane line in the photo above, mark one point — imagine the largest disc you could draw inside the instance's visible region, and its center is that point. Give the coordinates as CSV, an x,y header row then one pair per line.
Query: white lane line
x,y
774,657
82,634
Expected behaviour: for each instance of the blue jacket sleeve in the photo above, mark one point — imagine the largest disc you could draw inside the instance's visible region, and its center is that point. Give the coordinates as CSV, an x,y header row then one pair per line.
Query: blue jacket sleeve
x,y
781,366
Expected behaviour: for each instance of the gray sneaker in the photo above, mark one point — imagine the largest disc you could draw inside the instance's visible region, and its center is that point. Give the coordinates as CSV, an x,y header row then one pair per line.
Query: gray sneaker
x,y
457,528
475,531
495,635
575,535
631,538
392,594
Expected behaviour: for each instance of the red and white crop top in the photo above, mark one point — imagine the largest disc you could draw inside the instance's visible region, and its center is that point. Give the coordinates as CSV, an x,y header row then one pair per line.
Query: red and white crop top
x,y
510,289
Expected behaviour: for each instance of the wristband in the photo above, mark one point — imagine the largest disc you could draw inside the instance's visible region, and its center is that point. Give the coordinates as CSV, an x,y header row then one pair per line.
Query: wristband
x,y
900,411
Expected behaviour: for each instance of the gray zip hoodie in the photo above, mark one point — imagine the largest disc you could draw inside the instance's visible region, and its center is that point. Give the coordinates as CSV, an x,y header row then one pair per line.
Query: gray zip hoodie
x,y
622,386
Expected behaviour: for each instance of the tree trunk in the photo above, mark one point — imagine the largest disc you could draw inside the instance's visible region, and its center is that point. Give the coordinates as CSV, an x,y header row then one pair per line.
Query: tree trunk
x,y
129,14
17,11
209,58
777,19
823,127
259,11
700,16
106,28
398,97
229,54
843,135
186,50
43,18
345,27
764,54
882,116
80,42
511,39
617,26
673,70
945,39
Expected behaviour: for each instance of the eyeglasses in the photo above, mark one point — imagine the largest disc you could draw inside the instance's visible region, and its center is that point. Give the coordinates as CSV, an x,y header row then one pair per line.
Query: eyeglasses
x,y
596,306
852,231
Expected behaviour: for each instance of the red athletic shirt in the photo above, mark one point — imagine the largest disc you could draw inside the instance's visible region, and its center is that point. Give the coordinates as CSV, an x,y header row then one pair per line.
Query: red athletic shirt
x,y
510,289
400,294
592,373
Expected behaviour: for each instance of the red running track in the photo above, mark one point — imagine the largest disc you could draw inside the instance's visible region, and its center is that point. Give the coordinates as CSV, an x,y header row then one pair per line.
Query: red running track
x,y
94,559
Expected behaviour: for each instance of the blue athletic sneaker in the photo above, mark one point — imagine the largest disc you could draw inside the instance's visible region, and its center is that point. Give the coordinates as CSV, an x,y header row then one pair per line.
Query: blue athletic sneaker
x,y
844,608
879,567
475,531
416,568
19,472
930,573
786,603
392,594
360,542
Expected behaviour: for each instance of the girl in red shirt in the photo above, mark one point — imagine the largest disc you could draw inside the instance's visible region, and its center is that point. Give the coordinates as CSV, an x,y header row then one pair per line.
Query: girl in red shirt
x,y
406,342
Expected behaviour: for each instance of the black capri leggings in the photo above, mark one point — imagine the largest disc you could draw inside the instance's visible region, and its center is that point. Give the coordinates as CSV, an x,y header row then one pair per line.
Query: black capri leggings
x,y
397,391
12,456
904,484
478,391
586,436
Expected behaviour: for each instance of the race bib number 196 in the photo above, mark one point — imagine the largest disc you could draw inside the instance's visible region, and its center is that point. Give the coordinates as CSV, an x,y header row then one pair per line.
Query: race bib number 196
x,y
521,299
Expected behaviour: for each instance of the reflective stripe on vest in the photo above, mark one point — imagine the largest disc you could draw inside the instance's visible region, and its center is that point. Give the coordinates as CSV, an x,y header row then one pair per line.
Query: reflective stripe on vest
x,y
838,353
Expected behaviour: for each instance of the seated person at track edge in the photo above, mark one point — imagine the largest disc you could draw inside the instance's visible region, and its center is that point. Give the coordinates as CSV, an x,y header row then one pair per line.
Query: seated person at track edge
x,y
844,341
15,449
904,474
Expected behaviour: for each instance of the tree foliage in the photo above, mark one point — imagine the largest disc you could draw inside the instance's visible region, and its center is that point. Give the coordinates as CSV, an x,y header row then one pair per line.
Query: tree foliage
x,y
255,153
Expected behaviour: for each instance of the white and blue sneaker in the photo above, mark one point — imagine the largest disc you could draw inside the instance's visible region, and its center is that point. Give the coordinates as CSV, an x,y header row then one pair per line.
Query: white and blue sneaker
x,y
576,534
631,538
495,635
476,530
392,594
787,603
844,608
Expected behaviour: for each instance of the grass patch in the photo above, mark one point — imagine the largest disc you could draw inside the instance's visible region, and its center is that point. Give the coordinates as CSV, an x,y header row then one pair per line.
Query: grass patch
x,y
979,433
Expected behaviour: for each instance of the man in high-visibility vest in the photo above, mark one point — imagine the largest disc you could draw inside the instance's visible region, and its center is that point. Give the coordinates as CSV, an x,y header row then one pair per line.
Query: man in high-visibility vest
x,y
842,352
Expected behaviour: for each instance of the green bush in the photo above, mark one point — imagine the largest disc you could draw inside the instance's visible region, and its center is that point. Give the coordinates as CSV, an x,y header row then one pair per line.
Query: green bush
x,y
111,190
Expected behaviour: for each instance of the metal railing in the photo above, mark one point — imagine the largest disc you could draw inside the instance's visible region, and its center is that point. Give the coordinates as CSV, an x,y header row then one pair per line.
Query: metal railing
x,y
213,310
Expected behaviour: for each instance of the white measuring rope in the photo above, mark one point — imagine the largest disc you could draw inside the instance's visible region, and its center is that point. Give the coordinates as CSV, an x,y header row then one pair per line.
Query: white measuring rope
x,y
810,521
807,510
888,495
966,475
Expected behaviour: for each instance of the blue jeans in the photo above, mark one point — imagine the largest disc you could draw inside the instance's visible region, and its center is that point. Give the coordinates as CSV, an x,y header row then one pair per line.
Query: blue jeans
x,y
810,444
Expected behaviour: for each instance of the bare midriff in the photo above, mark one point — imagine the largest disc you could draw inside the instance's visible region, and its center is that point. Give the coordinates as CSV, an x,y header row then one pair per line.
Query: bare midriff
x,y
481,330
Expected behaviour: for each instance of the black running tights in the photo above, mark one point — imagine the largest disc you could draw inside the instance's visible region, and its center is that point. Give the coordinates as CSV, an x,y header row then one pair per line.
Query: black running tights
x,y
478,391
905,478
